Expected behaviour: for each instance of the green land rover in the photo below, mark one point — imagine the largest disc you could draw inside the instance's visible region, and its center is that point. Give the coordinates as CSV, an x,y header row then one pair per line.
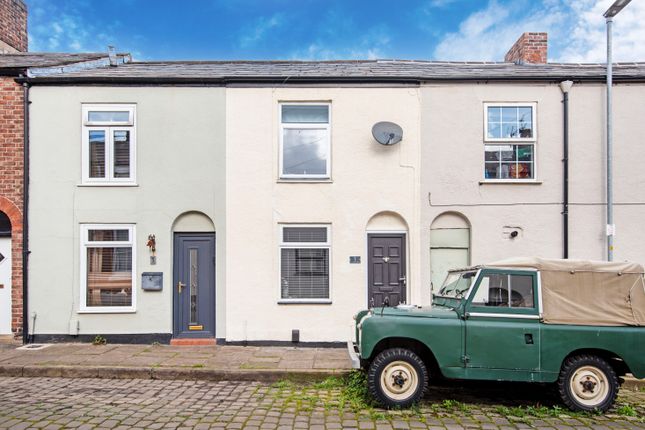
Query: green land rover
x,y
577,324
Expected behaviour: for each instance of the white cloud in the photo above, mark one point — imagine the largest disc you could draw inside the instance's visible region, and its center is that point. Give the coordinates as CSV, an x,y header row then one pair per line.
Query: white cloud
x,y
587,38
258,31
61,27
576,31
371,45
487,34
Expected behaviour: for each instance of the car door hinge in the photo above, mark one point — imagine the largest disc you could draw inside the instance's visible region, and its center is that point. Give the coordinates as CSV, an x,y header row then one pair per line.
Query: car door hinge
x,y
465,359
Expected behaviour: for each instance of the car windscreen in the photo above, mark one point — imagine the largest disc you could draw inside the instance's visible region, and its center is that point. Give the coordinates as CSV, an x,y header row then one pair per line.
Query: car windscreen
x,y
457,284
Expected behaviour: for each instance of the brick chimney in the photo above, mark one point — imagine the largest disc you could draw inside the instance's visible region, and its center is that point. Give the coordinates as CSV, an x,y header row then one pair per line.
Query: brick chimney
x,y
13,26
530,48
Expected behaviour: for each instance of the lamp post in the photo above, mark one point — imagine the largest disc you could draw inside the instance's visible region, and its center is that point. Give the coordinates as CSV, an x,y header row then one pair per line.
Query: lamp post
x,y
609,15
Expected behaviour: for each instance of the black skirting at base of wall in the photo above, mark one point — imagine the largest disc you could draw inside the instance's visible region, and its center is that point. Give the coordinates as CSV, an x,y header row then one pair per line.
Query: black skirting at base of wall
x,y
282,343
164,338
141,338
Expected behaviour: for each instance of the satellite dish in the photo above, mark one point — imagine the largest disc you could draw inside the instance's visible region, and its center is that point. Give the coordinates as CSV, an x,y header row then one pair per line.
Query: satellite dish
x,y
387,133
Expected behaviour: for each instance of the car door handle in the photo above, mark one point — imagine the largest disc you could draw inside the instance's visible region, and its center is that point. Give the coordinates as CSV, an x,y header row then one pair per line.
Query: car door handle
x,y
528,338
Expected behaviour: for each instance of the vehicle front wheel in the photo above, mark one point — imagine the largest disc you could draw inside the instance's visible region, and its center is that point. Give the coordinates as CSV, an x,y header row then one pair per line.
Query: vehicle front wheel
x,y
587,383
397,377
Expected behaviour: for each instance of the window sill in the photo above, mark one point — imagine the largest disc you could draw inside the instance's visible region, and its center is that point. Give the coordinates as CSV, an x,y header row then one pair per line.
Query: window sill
x,y
510,181
305,302
106,311
107,184
304,181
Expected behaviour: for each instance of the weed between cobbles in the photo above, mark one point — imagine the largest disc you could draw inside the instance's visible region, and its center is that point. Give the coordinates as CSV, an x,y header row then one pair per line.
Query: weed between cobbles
x,y
349,394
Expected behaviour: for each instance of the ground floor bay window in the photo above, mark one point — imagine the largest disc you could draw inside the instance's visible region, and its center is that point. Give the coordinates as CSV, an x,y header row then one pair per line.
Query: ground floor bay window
x,y
304,263
107,268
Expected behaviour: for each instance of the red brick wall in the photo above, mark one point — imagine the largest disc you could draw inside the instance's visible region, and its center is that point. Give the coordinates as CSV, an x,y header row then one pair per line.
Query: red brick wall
x,y
529,48
11,183
13,24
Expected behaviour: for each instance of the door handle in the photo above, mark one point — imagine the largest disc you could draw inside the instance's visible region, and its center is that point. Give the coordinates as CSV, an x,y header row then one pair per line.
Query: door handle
x,y
403,279
180,286
528,338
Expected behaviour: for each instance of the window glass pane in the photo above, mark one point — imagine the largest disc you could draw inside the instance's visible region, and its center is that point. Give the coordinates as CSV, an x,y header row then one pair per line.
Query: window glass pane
x,y
304,273
522,171
121,235
492,171
522,291
305,114
509,130
525,152
304,152
525,120
109,277
509,114
108,116
507,152
492,291
121,154
97,154
494,130
494,114
304,234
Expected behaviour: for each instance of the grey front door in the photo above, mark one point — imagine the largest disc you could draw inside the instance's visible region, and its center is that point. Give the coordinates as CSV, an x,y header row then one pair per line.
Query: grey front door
x,y
194,285
386,269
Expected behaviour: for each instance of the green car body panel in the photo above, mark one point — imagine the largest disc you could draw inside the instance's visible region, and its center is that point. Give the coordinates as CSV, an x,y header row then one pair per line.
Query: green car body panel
x,y
511,344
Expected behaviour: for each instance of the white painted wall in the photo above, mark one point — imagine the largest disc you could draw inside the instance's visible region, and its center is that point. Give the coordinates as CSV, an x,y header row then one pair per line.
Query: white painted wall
x,y
367,178
452,168
181,167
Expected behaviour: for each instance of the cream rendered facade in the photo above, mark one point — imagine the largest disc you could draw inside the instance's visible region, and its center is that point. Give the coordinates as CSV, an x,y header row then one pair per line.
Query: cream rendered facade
x,y
452,178
372,188
214,152
180,171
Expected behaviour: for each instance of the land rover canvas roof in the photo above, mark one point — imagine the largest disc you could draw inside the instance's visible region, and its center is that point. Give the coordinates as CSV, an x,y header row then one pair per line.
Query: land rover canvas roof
x,y
587,292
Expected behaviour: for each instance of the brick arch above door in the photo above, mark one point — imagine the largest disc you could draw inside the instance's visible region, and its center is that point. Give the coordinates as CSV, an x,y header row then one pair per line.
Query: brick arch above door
x,y
14,214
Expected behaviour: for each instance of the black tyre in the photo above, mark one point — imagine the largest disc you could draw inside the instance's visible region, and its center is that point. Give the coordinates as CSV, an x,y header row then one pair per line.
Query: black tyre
x,y
397,377
587,383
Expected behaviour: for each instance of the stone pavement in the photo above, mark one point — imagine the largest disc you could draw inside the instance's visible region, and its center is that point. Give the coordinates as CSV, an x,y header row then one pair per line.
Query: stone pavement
x,y
240,363
53,403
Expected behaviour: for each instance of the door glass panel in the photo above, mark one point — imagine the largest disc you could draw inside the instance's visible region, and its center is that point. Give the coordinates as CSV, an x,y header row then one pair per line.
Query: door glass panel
x,y
97,154
193,286
505,290
122,154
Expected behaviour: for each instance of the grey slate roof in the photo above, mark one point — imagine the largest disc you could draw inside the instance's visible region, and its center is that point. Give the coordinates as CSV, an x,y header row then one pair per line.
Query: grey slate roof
x,y
25,60
339,71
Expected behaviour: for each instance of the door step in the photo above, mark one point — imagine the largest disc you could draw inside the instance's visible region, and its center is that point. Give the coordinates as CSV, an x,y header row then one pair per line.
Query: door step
x,y
186,341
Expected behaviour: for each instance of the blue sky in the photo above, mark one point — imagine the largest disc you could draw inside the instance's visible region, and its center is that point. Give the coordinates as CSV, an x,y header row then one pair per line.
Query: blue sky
x,y
332,29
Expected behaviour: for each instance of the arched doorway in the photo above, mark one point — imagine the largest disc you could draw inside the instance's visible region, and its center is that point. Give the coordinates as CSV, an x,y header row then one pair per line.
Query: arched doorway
x,y
5,274
193,277
387,259
449,245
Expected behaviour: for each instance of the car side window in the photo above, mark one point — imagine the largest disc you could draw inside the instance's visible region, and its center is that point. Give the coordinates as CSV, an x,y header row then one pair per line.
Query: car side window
x,y
505,290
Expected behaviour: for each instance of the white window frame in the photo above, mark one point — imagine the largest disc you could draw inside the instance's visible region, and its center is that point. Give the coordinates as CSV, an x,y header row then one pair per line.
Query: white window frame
x,y
85,243
108,128
302,126
299,245
489,141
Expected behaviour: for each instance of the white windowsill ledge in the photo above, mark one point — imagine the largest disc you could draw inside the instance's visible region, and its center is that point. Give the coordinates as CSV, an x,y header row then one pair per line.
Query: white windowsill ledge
x,y
510,181
106,311
106,184
305,302
304,181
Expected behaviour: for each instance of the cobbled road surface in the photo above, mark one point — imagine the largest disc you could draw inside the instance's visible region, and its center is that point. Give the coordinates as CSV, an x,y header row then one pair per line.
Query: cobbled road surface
x,y
53,403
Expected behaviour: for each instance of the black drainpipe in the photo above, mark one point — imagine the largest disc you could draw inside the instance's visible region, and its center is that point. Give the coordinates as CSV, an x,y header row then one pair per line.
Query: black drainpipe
x,y
565,87
25,219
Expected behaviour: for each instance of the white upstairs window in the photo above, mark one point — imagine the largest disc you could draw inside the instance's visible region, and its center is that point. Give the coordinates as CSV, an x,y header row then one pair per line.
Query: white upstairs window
x,y
305,141
109,144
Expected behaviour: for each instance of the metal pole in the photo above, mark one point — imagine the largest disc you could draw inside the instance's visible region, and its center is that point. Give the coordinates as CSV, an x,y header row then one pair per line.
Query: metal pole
x,y
565,181
610,193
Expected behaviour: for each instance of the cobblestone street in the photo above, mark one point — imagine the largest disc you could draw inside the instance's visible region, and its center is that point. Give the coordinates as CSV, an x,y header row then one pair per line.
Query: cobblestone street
x,y
53,403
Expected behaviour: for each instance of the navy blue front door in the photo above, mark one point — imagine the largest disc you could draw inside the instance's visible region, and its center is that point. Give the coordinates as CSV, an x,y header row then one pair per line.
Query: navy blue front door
x,y
194,285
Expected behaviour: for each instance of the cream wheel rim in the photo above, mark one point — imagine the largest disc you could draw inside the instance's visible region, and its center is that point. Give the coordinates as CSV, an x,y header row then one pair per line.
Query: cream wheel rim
x,y
589,386
399,380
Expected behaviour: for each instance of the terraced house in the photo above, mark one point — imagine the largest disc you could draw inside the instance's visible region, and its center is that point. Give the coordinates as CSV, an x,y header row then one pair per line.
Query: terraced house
x,y
16,62
243,202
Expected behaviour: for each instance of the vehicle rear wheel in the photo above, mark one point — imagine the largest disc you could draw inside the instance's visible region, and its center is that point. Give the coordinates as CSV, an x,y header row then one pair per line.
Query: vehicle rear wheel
x,y
587,383
397,377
